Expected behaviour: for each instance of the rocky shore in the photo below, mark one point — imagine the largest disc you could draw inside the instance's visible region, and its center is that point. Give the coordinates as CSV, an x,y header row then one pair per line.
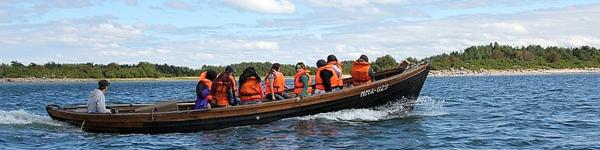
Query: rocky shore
x,y
494,72
50,80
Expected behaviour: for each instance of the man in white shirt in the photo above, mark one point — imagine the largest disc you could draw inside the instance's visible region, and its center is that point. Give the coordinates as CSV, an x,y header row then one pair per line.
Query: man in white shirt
x,y
96,101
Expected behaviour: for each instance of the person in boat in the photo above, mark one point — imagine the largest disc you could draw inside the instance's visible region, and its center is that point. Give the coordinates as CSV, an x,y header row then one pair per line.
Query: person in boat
x,y
275,82
337,68
203,88
250,88
203,75
325,77
361,71
302,81
224,89
96,100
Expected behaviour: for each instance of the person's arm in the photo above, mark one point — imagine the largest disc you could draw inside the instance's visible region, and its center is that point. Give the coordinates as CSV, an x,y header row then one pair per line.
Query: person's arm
x,y
101,106
326,77
304,80
372,74
271,78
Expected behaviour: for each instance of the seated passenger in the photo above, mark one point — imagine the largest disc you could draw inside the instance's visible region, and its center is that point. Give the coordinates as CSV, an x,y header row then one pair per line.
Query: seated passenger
x,y
203,88
338,70
223,89
275,82
250,89
96,100
325,77
302,81
361,71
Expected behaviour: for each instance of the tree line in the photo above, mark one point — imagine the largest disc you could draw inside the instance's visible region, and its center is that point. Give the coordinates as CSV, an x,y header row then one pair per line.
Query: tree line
x,y
16,69
90,70
495,56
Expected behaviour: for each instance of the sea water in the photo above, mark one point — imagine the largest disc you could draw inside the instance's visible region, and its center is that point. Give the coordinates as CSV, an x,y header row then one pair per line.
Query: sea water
x,y
487,112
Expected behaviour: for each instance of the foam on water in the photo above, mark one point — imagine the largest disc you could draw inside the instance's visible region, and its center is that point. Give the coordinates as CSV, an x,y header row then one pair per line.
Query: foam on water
x,y
424,106
22,117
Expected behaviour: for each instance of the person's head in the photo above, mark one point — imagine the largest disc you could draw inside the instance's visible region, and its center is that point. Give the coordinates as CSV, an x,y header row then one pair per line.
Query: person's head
x,y
321,63
364,57
248,72
211,75
275,66
300,66
103,85
331,58
229,69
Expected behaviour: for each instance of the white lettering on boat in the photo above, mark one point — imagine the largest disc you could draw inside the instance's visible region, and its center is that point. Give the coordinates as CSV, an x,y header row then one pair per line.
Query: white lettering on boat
x,y
374,90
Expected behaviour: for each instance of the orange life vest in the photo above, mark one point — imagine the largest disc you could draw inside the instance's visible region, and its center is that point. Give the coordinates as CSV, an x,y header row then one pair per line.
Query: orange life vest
x,y
298,86
278,83
340,66
334,78
251,90
203,75
220,90
208,84
360,73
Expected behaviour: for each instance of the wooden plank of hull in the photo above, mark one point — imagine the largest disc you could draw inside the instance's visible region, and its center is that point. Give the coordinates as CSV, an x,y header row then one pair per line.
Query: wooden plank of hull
x,y
407,85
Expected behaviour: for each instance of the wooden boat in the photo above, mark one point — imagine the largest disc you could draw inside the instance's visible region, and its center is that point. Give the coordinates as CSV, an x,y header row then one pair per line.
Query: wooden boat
x,y
395,85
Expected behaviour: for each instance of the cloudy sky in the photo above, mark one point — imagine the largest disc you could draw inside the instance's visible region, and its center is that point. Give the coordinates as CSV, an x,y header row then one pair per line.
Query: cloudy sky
x,y
196,32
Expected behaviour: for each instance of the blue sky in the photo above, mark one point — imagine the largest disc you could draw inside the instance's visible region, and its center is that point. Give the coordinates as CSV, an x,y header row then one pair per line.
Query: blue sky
x,y
197,32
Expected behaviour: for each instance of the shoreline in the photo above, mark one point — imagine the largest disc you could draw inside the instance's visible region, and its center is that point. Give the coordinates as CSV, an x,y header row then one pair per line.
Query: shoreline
x,y
508,72
66,80
432,73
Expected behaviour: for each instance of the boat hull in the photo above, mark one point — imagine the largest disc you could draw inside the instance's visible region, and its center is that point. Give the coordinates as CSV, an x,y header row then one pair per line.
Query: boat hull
x,y
402,88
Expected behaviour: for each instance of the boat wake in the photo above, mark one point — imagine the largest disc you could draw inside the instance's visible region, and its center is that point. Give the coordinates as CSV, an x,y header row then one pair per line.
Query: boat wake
x,y
424,106
22,117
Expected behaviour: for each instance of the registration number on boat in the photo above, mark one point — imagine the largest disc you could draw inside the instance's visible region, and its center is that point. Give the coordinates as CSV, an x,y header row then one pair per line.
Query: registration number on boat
x,y
374,90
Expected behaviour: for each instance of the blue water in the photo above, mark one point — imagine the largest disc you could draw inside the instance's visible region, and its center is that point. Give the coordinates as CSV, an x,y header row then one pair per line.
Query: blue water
x,y
491,112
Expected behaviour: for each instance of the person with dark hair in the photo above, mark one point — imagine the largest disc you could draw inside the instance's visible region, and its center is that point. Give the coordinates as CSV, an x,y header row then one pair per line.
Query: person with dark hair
x,y
224,89
361,71
250,88
325,77
203,87
96,100
302,81
337,68
275,82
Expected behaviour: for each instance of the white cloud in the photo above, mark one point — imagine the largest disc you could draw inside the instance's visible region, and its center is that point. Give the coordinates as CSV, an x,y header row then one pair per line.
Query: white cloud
x,y
178,4
264,6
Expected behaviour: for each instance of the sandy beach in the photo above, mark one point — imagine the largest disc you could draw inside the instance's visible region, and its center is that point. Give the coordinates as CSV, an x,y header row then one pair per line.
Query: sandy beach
x,y
495,72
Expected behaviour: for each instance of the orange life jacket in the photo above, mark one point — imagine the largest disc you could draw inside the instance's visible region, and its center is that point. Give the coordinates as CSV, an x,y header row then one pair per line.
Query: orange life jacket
x,y
335,81
298,86
251,90
203,75
340,66
220,90
278,83
360,73
208,84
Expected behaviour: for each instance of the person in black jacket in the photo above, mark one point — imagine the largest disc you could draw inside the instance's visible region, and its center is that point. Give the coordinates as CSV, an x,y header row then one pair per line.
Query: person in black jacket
x,y
323,76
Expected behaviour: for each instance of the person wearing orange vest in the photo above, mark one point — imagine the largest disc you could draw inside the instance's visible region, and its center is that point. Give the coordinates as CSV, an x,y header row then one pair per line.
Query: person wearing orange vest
x,y
302,81
325,78
224,88
250,89
203,96
337,68
275,82
361,71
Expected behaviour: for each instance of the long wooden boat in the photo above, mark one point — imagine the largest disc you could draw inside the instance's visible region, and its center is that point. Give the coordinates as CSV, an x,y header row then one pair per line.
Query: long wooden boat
x,y
396,85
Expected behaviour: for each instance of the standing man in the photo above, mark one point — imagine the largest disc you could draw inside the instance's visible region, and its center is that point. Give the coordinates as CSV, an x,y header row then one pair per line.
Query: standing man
x,y
96,101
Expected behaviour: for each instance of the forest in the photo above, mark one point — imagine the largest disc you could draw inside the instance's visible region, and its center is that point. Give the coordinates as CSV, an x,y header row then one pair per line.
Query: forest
x,y
148,70
495,56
